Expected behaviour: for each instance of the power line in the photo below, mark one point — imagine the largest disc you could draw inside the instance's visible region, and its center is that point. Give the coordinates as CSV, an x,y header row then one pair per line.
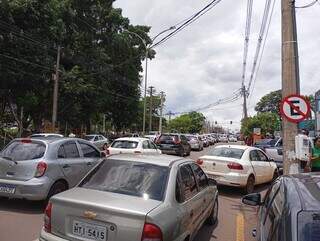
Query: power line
x,y
308,5
188,21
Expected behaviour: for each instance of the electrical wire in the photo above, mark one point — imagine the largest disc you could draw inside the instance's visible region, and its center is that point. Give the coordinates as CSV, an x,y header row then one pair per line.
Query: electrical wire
x,y
189,20
308,5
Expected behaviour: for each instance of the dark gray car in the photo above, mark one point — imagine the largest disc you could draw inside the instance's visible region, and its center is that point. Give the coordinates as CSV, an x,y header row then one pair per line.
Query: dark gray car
x,y
36,169
290,209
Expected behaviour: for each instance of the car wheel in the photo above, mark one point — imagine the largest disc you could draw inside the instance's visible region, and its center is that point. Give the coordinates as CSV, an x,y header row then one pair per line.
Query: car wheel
x,y
213,218
57,188
250,185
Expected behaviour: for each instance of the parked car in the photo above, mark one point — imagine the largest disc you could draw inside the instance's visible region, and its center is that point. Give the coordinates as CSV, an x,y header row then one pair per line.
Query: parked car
x,y
134,198
205,141
49,135
290,209
98,140
232,139
36,169
239,166
176,144
151,137
133,145
266,143
223,138
195,142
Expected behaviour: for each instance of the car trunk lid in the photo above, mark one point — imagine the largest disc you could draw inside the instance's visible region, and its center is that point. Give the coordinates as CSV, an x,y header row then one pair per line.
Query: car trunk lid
x,y
109,216
217,166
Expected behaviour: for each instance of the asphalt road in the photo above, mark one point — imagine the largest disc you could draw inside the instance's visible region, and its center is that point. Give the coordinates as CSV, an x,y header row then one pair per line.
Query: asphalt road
x,y
22,220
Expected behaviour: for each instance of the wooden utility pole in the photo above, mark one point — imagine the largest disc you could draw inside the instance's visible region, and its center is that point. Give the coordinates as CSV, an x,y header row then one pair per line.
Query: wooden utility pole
x,y
290,76
55,91
150,108
161,110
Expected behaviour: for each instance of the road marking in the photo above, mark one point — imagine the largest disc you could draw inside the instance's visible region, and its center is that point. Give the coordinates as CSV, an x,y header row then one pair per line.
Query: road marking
x,y
240,227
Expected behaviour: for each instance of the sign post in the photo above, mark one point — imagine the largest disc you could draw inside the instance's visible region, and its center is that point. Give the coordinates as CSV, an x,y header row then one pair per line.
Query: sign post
x,y
317,103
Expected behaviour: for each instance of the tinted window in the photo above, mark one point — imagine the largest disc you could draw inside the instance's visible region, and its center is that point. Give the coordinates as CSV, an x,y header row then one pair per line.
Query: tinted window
x,y
129,178
168,138
151,145
183,138
227,152
200,176
88,138
71,150
145,145
89,151
61,152
254,156
96,138
24,150
262,156
125,144
189,186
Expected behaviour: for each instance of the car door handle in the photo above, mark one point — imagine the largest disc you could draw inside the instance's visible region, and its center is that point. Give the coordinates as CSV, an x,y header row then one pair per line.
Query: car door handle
x,y
66,166
89,163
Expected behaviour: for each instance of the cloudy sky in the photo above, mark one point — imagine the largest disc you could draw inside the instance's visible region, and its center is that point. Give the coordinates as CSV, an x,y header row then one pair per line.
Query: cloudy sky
x,y
203,63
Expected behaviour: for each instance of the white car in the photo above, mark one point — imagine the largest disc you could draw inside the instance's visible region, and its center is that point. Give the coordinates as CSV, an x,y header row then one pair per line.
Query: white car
x,y
53,135
97,140
238,166
133,145
232,139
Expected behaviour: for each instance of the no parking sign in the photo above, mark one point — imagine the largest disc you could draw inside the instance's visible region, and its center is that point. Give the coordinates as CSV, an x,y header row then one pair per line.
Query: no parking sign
x,y
295,108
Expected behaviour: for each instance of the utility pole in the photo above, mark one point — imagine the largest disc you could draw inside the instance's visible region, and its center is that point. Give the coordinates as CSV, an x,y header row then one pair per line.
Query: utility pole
x,y
150,108
161,110
290,76
55,91
244,94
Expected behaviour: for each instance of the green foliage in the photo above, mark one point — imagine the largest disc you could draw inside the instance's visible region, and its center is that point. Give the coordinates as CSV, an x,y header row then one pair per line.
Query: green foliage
x,y
188,123
269,102
268,122
100,62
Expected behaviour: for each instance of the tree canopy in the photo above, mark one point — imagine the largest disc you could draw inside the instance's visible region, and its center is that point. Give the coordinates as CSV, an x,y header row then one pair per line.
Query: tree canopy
x,y
187,123
268,122
269,102
99,68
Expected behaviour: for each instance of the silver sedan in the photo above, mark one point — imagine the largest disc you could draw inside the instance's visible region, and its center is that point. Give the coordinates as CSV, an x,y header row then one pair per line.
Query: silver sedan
x,y
134,198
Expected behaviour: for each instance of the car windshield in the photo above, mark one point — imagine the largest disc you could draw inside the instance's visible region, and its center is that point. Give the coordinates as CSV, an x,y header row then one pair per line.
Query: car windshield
x,y
130,178
227,152
168,137
125,144
88,138
24,150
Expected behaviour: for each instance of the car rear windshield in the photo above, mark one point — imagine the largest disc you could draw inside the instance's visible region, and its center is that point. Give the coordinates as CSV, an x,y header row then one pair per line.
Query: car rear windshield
x,y
129,178
24,150
227,152
125,144
88,138
168,137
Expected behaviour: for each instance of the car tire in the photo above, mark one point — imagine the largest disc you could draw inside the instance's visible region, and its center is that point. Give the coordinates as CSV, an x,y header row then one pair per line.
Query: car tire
x,y
56,188
213,218
249,188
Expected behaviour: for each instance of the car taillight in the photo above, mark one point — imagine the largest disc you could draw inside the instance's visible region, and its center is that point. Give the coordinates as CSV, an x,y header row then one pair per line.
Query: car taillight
x,y
151,232
176,141
41,169
235,166
47,218
199,162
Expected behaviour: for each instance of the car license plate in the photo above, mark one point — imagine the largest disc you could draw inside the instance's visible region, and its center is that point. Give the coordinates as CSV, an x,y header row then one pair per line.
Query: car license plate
x,y
89,231
6,188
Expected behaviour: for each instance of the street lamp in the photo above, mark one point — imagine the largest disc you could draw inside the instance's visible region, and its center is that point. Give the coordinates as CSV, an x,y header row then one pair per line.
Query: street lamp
x,y
147,48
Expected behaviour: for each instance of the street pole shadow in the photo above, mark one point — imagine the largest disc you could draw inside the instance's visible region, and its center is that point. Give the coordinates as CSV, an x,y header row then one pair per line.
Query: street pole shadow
x,y
234,192
22,206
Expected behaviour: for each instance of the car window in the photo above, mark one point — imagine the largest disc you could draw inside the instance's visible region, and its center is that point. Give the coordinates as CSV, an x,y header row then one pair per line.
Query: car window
x,y
145,145
262,156
254,156
96,138
129,178
200,176
24,150
189,186
89,151
269,197
124,144
179,193
71,150
61,152
151,145
88,138
227,152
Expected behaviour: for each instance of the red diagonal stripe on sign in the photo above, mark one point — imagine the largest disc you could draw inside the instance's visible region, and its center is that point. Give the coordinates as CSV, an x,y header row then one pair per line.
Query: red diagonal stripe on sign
x,y
296,108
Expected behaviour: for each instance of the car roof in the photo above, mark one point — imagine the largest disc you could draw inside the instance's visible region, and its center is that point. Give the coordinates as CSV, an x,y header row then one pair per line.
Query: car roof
x,y
46,134
308,188
161,160
132,139
241,147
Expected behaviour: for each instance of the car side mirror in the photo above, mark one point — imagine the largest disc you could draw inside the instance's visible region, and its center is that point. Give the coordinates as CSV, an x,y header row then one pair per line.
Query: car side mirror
x,y
212,182
102,154
253,199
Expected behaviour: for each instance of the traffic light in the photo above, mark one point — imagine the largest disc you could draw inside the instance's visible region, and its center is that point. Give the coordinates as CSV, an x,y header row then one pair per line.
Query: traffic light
x,y
216,122
230,122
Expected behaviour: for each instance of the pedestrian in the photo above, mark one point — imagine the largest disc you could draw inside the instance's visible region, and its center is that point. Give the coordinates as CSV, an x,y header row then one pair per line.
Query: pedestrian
x,y
105,148
315,155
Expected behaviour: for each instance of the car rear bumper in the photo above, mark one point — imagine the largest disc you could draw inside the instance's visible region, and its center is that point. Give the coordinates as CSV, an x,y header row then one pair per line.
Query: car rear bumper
x,y
33,189
170,151
230,179
195,146
44,236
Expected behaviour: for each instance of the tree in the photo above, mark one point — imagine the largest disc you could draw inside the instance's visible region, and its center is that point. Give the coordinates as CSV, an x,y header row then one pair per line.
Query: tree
x,y
268,122
269,102
188,123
